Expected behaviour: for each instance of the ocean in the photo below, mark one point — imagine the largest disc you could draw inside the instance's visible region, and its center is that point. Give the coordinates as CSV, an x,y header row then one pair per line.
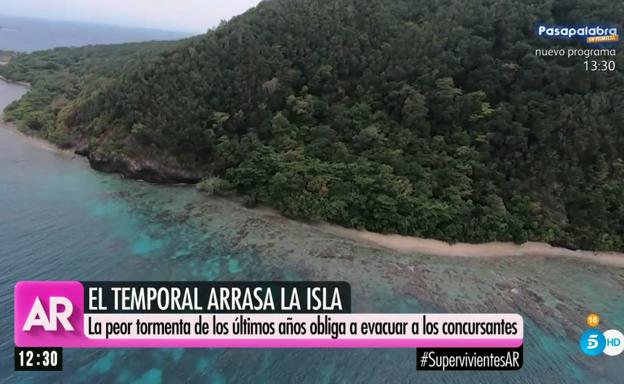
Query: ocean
x,y
60,220
26,35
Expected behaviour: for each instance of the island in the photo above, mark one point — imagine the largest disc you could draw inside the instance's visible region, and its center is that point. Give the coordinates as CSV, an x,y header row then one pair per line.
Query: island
x,y
398,117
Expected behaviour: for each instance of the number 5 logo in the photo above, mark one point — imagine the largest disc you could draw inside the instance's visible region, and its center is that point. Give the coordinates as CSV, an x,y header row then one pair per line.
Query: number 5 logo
x,y
592,342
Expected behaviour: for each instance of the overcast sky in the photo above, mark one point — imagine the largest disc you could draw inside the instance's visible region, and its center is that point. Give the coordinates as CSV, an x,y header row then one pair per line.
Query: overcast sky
x,y
181,15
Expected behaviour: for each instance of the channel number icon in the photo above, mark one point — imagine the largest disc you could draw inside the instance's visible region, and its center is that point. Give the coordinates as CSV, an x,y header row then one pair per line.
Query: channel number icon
x,y
593,342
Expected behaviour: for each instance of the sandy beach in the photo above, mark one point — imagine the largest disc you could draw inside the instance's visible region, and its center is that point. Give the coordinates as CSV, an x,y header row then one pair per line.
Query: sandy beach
x,y
406,244
34,141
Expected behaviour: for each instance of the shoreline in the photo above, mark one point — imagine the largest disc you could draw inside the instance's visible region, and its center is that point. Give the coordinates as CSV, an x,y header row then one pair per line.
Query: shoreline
x,y
398,243
493,250
431,247
22,83
34,140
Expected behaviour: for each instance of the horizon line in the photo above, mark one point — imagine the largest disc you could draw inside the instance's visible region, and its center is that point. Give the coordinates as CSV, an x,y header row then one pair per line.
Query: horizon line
x,y
107,24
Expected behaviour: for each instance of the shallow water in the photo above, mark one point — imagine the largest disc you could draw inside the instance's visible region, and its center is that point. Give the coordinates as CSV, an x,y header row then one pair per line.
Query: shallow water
x,y
60,220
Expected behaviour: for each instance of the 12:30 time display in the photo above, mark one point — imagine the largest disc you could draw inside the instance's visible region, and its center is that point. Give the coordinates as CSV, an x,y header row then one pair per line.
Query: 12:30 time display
x,y
38,359
600,65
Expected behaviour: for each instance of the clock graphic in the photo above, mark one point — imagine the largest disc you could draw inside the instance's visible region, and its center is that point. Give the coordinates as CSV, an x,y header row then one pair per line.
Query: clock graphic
x,y
38,359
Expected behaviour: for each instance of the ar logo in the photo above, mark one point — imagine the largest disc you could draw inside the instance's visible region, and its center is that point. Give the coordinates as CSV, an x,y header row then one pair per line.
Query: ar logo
x,y
39,317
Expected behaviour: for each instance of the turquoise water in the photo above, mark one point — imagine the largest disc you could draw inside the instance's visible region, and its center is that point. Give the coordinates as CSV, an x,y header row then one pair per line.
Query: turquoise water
x,y
60,220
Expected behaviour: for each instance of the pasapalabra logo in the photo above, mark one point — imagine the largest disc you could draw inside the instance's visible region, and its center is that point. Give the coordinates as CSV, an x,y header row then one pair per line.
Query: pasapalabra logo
x,y
588,34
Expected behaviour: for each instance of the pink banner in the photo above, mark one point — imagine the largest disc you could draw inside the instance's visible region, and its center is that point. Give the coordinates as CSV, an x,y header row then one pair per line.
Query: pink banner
x,y
51,314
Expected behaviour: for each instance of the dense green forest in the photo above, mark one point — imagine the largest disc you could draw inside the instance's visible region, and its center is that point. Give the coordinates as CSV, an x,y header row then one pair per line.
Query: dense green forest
x,y
63,78
431,118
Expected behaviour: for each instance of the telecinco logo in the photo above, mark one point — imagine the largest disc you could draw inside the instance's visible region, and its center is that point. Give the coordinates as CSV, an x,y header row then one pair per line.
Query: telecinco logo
x,y
593,342
587,34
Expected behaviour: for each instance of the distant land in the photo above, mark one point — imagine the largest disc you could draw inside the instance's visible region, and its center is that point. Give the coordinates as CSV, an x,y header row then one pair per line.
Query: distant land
x,y
27,35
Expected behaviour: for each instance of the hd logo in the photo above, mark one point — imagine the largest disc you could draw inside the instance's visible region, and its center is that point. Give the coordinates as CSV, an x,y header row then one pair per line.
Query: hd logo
x,y
614,342
593,342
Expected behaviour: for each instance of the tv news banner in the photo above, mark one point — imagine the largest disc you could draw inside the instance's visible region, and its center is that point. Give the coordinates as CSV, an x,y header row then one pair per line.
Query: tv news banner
x,y
52,315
